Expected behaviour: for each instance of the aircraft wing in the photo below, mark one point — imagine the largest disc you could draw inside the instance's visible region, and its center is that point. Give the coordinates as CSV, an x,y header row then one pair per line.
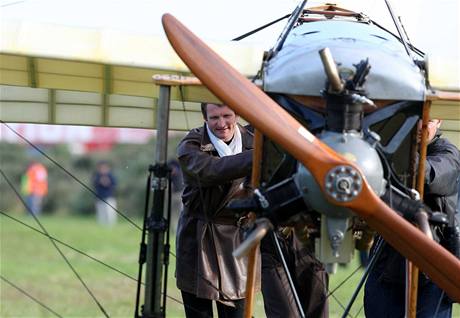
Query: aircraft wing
x,y
76,76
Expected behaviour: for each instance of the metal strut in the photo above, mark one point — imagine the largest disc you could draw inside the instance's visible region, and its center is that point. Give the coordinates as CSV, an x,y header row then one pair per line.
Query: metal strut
x,y
155,224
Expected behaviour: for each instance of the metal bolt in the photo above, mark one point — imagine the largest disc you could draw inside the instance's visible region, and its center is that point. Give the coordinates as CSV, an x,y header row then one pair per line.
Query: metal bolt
x,y
343,185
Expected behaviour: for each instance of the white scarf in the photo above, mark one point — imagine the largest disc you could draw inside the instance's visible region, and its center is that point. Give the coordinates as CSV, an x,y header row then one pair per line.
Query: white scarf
x,y
234,147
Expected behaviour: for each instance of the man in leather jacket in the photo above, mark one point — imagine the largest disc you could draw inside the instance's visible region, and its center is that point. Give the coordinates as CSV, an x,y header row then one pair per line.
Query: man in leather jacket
x,y
215,160
385,292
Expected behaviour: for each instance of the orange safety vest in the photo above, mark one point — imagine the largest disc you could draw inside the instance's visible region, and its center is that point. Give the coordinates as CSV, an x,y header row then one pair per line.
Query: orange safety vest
x,y
37,178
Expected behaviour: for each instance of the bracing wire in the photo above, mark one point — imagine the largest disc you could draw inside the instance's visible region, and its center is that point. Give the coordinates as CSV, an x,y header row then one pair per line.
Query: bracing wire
x,y
127,275
82,253
45,233
438,306
54,244
30,296
12,3
331,293
238,38
359,311
69,246
70,174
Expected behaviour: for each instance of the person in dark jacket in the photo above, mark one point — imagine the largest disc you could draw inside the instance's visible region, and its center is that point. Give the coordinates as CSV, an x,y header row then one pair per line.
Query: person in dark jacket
x,y
104,184
385,292
215,161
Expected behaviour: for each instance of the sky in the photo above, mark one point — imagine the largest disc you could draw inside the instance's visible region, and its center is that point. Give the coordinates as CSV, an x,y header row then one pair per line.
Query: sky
x,y
435,32
224,20
432,26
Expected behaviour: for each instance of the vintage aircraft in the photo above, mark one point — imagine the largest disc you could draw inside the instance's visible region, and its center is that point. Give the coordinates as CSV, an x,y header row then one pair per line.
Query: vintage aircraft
x,y
342,96
365,95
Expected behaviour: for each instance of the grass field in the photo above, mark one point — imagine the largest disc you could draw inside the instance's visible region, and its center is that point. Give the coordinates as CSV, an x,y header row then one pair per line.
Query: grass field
x,y
29,261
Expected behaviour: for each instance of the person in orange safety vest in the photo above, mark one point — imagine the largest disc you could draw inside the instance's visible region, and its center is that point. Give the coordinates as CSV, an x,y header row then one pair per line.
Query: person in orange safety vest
x,y
34,185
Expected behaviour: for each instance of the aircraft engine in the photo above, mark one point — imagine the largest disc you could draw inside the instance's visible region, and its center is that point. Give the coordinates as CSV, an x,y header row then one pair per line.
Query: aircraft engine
x,y
333,98
342,183
300,193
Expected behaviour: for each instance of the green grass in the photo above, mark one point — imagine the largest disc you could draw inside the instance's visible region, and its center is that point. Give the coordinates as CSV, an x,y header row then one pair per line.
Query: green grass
x,y
30,261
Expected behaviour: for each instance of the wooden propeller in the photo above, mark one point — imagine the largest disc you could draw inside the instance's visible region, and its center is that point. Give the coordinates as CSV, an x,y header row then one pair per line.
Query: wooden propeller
x,y
264,114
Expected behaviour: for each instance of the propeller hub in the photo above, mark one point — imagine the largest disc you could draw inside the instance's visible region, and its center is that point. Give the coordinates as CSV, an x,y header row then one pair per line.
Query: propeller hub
x,y
343,183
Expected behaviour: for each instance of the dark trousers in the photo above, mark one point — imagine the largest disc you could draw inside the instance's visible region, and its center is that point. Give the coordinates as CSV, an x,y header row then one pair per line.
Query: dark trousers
x,y
309,277
202,308
387,300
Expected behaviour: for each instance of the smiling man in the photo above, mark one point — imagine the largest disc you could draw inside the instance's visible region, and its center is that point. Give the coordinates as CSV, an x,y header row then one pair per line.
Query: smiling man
x,y
215,160
221,121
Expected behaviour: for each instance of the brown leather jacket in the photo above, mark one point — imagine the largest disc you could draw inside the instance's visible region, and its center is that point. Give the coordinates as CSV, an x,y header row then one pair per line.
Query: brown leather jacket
x,y
207,233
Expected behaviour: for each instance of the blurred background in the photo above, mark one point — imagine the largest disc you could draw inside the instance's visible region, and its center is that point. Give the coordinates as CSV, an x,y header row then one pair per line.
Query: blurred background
x,y
78,150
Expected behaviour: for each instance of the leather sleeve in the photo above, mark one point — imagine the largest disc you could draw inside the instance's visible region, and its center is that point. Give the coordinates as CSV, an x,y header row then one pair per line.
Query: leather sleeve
x,y
208,170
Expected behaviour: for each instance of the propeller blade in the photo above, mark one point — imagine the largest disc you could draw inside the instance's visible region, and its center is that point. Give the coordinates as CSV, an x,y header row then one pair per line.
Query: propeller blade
x,y
263,113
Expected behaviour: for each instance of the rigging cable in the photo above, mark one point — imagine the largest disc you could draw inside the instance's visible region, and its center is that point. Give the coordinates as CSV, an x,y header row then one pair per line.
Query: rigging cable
x,y
78,251
12,3
170,252
412,47
89,189
30,296
379,247
331,293
261,28
69,246
398,28
54,244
